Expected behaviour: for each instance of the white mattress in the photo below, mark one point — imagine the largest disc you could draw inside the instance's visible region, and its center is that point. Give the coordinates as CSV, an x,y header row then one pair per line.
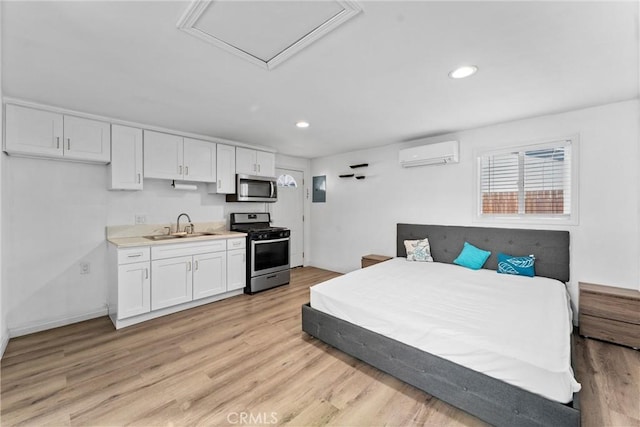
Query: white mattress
x,y
516,329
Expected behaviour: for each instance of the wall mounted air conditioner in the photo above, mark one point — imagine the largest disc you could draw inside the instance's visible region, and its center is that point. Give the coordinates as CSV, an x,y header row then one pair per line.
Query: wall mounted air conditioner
x,y
440,153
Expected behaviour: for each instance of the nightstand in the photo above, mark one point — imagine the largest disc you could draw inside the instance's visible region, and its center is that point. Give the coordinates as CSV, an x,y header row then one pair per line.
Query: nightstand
x,y
369,260
610,314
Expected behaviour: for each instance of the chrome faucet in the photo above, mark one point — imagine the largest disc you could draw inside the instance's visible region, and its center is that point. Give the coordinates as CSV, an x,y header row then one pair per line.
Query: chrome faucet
x,y
185,228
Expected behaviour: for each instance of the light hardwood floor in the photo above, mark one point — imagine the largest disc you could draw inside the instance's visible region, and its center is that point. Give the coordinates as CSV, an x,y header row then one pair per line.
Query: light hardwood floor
x,y
245,361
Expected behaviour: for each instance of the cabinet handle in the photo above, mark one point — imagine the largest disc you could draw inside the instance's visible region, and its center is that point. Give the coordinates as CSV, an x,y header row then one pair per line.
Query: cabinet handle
x,y
196,264
244,257
188,265
186,170
258,167
68,143
57,142
139,178
254,167
219,184
134,256
179,170
146,273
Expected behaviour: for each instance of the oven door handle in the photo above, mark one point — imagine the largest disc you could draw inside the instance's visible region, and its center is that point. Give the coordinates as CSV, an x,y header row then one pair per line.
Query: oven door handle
x,y
260,242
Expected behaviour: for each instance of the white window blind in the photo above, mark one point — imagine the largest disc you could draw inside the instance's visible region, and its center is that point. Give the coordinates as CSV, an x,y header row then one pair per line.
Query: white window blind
x,y
527,181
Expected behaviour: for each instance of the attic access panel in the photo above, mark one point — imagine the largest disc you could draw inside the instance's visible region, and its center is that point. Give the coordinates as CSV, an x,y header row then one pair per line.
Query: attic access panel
x,y
265,32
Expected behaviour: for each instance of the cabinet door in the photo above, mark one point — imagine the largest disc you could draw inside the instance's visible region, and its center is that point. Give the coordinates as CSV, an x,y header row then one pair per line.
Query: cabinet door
x,y
266,163
246,161
209,274
236,269
162,155
199,160
226,170
172,282
125,170
134,289
33,132
86,139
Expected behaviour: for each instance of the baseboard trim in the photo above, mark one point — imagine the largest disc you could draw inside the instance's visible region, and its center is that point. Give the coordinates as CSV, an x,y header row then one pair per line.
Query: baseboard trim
x,y
3,344
38,326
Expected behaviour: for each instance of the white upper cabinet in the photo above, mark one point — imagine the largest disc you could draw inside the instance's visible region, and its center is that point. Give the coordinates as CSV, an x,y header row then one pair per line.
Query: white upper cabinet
x,y
163,155
40,133
252,162
199,160
226,161
125,170
246,161
169,156
32,131
266,163
86,139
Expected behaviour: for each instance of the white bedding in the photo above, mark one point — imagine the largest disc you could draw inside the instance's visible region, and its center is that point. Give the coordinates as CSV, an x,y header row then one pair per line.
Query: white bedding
x,y
516,329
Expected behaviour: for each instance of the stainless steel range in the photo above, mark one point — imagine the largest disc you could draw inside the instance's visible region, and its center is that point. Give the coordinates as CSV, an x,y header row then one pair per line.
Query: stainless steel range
x,y
267,251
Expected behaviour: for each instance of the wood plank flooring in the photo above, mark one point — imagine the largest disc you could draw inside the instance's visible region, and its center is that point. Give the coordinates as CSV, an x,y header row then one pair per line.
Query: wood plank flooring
x,y
245,361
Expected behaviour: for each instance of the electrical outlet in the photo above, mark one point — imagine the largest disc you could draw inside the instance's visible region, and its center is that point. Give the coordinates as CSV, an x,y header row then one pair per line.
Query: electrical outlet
x,y
85,267
141,219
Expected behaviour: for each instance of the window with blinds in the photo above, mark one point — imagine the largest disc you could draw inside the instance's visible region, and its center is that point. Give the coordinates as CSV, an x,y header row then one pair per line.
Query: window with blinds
x,y
535,180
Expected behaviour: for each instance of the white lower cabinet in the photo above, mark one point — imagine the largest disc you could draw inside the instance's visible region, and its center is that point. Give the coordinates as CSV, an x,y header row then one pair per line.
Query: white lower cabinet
x,y
160,279
236,269
130,290
209,274
172,282
134,296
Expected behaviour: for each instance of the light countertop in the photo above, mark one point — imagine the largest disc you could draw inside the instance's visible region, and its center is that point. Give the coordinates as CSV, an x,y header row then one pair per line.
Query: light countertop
x,y
124,242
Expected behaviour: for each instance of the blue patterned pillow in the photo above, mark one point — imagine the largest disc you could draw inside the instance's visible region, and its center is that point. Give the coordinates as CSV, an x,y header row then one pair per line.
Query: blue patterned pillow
x,y
518,265
472,257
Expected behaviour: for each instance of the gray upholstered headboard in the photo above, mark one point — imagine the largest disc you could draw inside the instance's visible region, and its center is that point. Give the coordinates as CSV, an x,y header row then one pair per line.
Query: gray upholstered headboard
x,y
551,248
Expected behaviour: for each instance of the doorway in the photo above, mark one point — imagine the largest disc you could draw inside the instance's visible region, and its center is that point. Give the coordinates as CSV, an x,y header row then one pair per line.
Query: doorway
x,y
288,211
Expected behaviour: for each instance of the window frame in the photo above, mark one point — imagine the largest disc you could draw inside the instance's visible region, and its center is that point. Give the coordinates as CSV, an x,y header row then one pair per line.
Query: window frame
x,y
523,218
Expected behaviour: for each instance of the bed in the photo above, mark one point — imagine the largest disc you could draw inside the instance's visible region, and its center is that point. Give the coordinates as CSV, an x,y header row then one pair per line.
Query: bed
x,y
519,386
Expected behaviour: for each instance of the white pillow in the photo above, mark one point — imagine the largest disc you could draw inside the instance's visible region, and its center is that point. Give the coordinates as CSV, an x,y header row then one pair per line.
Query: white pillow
x,y
418,250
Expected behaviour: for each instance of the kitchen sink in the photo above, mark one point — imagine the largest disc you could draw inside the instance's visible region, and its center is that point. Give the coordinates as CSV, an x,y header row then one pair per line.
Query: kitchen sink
x,y
161,237
180,235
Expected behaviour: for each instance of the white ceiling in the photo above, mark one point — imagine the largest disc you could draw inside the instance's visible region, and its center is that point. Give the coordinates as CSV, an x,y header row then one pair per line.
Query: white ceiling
x,y
379,78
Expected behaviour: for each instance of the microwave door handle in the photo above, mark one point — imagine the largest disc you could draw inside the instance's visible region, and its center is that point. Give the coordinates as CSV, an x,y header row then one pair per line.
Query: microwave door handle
x,y
273,189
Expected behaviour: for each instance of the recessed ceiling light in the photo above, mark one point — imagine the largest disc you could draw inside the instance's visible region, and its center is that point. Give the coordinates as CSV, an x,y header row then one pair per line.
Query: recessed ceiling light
x,y
464,71
302,124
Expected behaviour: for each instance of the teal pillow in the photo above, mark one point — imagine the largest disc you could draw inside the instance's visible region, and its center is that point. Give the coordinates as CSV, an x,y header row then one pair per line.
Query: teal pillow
x,y
517,265
472,257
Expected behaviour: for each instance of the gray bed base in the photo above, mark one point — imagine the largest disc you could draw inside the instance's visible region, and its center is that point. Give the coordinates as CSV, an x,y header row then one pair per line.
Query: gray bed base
x,y
491,400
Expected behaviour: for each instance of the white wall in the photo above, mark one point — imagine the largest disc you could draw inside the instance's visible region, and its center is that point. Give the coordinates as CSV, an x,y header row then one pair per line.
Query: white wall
x,y
4,332
55,214
360,217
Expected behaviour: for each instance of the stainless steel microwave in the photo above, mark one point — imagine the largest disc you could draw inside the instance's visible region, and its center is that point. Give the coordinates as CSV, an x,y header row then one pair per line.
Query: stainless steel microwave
x,y
251,188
